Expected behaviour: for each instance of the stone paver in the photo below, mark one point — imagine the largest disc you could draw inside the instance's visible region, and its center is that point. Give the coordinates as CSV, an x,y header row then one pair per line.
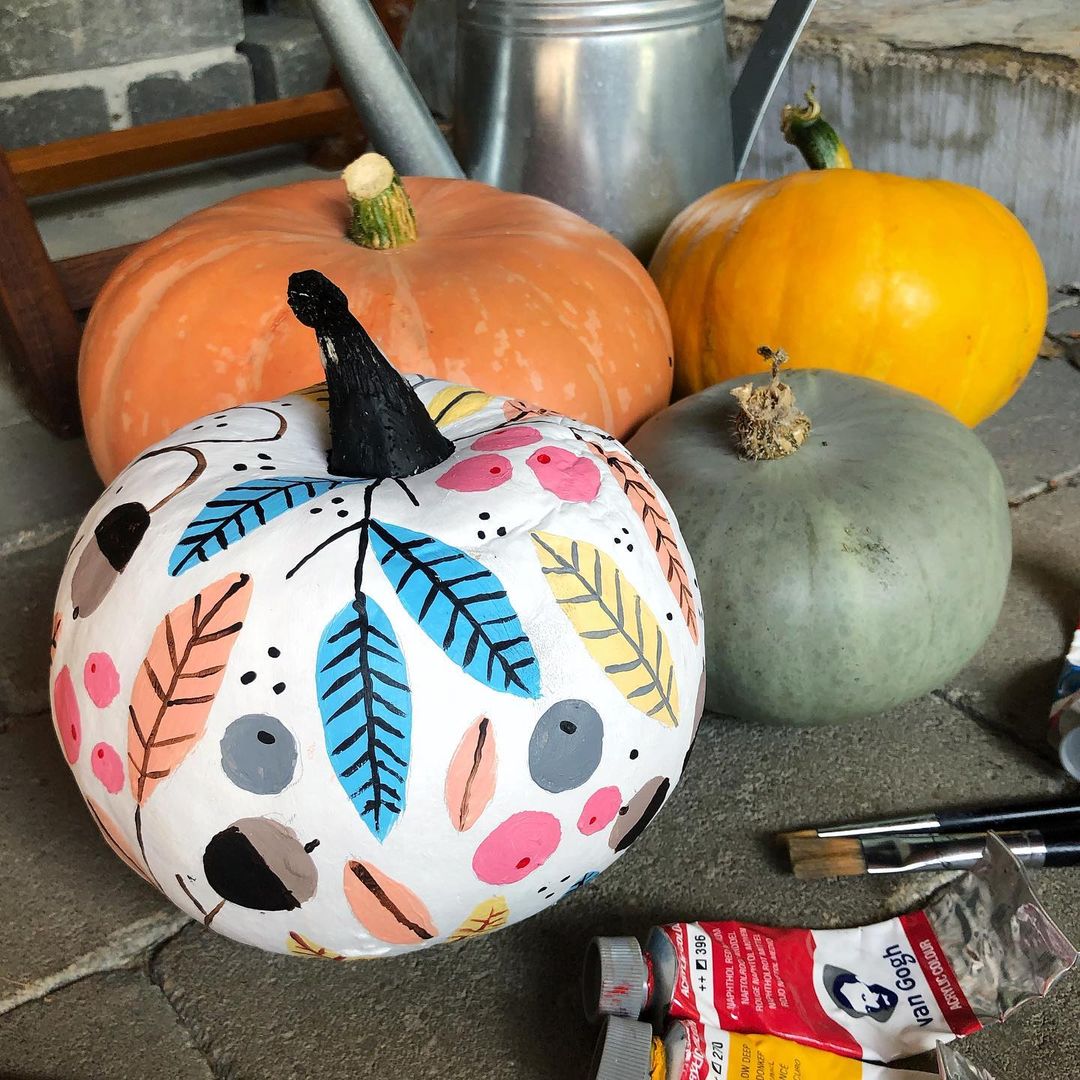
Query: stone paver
x,y
1034,437
116,1026
508,1005
28,581
62,892
1011,680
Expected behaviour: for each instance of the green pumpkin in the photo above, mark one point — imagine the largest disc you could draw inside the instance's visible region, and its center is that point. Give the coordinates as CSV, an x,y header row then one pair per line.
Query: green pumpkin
x,y
860,571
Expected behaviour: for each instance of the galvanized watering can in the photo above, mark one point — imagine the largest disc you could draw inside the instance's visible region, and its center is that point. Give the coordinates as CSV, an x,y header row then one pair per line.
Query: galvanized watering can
x,y
616,109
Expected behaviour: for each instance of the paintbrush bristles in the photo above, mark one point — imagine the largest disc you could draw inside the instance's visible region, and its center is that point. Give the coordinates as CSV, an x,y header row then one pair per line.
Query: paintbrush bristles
x,y
825,857
794,834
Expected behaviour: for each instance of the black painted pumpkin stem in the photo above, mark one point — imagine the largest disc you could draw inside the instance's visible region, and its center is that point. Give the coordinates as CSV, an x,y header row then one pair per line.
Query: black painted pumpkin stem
x,y
379,428
769,423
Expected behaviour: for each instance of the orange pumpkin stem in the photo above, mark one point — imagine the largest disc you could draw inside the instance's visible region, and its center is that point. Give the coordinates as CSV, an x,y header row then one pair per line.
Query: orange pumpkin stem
x,y
769,424
815,138
382,214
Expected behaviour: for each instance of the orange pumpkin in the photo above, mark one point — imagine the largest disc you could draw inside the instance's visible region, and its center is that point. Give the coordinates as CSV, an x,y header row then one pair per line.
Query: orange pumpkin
x,y
925,284
503,291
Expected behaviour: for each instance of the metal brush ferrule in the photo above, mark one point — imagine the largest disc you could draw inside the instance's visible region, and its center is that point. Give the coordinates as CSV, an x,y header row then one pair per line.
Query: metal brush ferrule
x,y
904,854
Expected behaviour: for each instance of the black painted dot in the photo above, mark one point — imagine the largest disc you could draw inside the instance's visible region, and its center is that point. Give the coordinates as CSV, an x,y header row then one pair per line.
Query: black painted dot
x,y
220,416
567,726
343,513
484,516
197,427
564,880
266,738
285,404
626,532
273,651
264,457
75,612
633,755
617,540
279,688
221,425
482,534
315,510
268,468
542,888
629,547
337,500
622,810
670,616
240,466
119,489
247,677
501,530
823,443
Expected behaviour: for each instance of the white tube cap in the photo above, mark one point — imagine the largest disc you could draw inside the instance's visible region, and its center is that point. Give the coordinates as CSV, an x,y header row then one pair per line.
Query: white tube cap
x,y
623,1051
615,978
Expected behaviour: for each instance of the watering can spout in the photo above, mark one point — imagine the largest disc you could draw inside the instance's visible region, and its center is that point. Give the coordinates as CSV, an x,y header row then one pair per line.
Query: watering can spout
x,y
762,72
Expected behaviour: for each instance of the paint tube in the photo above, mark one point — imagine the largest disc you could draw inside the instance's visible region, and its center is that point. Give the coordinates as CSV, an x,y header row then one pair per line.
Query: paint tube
x,y
628,1050
982,947
1065,711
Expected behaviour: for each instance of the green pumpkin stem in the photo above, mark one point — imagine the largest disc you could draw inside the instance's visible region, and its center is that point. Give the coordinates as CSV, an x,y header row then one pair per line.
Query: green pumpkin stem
x,y
815,138
769,424
379,428
382,215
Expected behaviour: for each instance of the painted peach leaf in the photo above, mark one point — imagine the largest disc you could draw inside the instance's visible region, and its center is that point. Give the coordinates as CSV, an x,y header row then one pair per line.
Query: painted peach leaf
x,y
658,527
115,839
470,781
486,917
387,909
179,679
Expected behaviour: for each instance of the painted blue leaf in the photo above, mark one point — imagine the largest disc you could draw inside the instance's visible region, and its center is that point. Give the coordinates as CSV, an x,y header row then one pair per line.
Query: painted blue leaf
x,y
586,879
366,708
461,606
239,510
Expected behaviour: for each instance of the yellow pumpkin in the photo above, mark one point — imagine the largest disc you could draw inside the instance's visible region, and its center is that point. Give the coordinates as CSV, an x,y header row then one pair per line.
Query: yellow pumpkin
x,y
929,285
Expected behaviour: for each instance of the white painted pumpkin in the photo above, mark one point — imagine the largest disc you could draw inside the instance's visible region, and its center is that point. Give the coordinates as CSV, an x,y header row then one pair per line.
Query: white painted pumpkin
x,y
341,758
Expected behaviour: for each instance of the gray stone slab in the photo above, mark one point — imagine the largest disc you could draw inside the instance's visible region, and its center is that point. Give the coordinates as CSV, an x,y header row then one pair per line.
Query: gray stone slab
x,y
508,1005
168,95
47,115
108,1027
287,55
62,891
1036,435
42,478
42,37
1011,681
28,581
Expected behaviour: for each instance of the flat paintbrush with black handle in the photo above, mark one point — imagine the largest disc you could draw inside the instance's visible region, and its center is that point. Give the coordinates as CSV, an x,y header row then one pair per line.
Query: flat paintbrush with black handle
x,y
848,856
1051,813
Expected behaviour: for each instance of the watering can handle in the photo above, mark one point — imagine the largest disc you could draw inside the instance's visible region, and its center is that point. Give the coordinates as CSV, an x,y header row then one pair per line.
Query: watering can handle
x,y
390,107
762,72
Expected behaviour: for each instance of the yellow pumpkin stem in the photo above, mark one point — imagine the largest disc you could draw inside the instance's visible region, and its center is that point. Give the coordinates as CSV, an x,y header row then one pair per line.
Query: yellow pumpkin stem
x,y
814,137
382,215
769,424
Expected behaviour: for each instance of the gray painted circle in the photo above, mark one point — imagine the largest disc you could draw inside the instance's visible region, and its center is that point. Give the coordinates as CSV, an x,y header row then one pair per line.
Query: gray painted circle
x,y
566,745
258,754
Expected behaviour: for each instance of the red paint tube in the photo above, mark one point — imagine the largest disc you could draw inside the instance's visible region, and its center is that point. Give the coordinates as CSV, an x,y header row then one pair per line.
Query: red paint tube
x,y
628,1050
981,948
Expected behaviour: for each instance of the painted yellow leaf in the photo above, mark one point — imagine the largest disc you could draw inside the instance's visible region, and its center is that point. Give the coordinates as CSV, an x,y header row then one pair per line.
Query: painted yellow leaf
x,y
614,623
318,393
487,916
453,403
299,945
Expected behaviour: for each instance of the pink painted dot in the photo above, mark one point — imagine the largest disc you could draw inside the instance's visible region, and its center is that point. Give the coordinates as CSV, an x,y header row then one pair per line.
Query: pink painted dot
x,y
570,476
508,438
100,679
480,473
66,715
600,810
517,847
108,767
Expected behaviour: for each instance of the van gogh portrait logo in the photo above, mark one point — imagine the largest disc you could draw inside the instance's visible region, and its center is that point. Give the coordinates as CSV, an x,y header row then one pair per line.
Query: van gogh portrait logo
x,y
857,998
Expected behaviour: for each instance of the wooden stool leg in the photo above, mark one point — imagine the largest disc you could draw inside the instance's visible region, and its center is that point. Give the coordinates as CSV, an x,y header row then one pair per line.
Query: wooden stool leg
x,y
37,327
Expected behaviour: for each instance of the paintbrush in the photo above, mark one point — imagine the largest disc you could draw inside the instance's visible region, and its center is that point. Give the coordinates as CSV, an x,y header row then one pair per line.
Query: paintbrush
x,y
1027,815
824,856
